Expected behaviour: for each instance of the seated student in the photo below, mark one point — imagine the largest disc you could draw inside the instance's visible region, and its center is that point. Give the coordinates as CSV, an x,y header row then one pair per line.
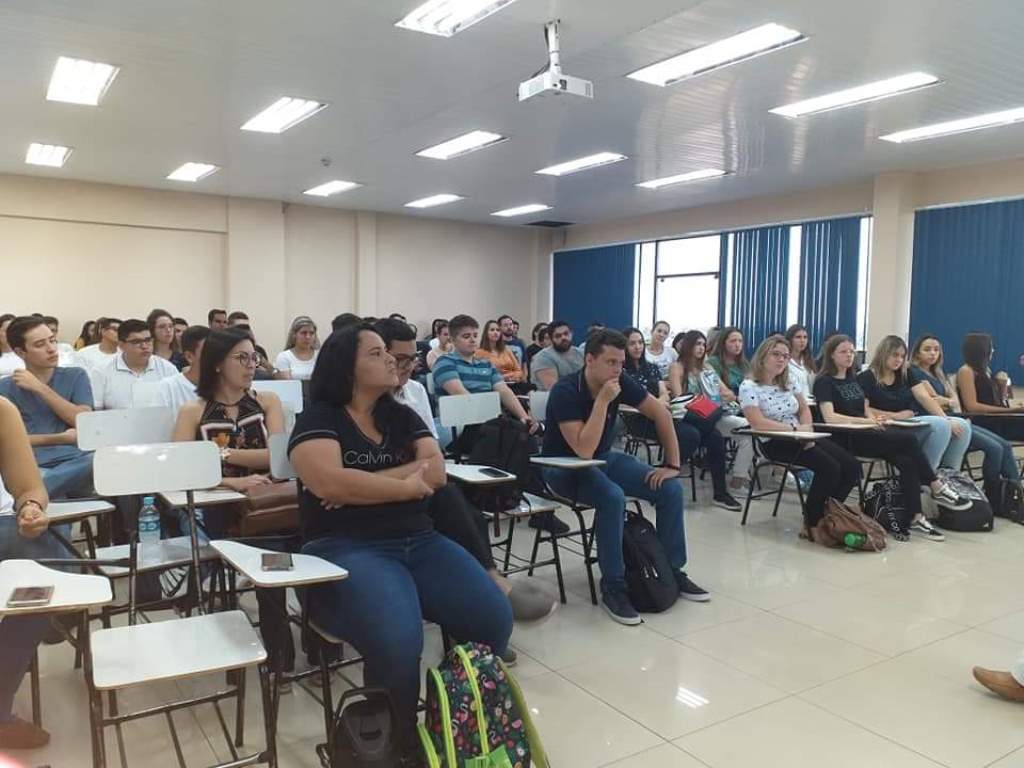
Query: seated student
x,y
368,467
659,352
65,352
983,395
161,328
112,384
541,336
9,361
692,432
265,370
441,344
999,464
217,319
88,335
501,356
300,349
180,326
103,351
560,359
581,415
344,320
594,325
842,401
23,535
895,390
802,367
49,398
509,329
176,391
770,403
729,361
692,375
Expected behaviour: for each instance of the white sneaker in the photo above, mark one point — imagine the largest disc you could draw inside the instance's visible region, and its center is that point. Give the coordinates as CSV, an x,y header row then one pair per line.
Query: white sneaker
x,y
930,532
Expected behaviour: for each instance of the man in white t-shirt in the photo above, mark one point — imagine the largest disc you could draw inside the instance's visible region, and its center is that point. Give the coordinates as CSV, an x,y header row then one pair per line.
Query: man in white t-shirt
x,y
175,391
97,355
112,384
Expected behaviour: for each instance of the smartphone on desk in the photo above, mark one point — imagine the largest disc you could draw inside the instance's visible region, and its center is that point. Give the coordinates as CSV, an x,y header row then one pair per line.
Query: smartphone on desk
x,y
492,472
30,597
277,561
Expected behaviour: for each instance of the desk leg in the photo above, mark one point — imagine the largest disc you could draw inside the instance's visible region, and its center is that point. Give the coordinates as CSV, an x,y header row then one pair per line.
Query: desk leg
x,y
194,542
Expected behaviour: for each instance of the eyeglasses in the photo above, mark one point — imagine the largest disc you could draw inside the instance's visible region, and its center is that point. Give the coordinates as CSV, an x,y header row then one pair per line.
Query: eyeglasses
x,y
404,361
244,359
779,355
140,342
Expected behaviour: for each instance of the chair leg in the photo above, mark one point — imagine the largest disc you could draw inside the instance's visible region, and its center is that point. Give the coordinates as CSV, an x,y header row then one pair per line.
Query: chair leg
x,y
37,714
508,541
242,675
99,751
325,691
558,568
269,724
533,554
588,543
693,481
750,493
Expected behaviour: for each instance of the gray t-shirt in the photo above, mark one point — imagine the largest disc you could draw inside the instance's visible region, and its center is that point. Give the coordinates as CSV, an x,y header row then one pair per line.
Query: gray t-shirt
x,y
564,364
70,383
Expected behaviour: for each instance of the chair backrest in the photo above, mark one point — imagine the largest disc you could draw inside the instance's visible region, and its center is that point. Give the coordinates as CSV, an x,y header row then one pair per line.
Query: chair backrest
x,y
539,405
280,465
129,470
126,426
144,394
431,386
290,392
463,410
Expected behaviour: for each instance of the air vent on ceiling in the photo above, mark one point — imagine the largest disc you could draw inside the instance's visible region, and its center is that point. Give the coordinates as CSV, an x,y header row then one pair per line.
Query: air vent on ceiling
x,y
549,223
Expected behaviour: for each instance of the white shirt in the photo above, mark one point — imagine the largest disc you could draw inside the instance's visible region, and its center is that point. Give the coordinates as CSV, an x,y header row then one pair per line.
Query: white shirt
x,y
93,357
664,360
415,396
6,501
112,384
174,392
9,363
801,379
67,355
299,369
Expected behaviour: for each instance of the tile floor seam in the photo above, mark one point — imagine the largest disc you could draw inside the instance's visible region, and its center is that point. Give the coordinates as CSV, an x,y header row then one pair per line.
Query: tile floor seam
x,y
733,717
1003,757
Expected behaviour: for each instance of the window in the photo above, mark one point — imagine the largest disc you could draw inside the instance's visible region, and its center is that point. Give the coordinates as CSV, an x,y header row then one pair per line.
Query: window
x,y
678,281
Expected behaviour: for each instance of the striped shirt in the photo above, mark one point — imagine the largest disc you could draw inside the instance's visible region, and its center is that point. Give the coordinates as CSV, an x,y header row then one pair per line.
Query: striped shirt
x,y
477,376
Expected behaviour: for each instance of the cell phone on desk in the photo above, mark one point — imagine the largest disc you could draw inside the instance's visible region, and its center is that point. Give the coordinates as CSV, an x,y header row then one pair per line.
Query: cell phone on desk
x,y
492,472
29,597
277,561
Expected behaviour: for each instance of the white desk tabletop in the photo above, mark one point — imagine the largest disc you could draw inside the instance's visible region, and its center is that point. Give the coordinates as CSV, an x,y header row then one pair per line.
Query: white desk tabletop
x,y
69,511
474,475
210,498
174,551
566,462
71,591
249,561
848,427
782,435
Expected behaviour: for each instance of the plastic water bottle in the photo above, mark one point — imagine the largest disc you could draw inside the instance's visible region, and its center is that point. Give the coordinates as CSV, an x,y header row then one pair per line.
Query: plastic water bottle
x,y
149,521
854,540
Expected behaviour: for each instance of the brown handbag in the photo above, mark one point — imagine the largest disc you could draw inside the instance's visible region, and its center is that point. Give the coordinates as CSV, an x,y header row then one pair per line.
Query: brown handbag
x,y
272,508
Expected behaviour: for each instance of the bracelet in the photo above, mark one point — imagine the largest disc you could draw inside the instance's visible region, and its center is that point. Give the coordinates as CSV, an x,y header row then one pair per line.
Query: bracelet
x,y
25,504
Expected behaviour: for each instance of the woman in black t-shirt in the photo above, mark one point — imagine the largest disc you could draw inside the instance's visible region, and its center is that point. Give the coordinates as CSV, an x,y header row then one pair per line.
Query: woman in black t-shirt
x,y
368,466
983,395
842,401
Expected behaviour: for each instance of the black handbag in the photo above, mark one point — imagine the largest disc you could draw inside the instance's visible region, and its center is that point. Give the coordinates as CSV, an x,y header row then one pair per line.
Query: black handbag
x,y
364,732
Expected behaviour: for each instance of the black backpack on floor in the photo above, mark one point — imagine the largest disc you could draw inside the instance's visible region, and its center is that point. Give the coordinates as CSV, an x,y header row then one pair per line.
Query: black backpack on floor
x,y
363,733
650,582
1007,500
977,518
884,503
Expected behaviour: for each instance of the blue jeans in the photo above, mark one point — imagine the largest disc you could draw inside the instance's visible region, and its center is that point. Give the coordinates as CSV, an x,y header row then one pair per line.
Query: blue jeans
x,y
73,475
999,459
393,584
940,445
19,635
605,488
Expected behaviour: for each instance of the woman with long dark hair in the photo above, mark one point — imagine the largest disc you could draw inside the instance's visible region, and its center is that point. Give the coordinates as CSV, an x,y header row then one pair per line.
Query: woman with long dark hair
x,y
87,336
802,367
659,351
983,395
368,466
729,360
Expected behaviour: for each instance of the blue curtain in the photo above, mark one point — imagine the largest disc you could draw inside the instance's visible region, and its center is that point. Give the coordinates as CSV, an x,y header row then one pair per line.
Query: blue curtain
x,y
829,267
760,266
968,276
595,284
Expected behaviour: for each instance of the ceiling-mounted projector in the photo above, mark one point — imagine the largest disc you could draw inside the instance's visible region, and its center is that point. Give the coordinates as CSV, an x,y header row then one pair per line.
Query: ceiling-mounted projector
x,y
552,81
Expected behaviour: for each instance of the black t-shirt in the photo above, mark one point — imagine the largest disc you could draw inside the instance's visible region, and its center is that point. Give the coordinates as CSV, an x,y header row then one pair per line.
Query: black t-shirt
x,y
646,374
893,397
401,428
570,400
846,395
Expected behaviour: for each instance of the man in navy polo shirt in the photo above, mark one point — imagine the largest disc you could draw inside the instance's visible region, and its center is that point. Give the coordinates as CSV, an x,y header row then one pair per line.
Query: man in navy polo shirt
x,y
581,414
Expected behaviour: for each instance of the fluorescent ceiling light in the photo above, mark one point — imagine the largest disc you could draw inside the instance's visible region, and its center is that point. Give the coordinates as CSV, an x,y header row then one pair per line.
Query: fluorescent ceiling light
x,y
522,210
991,120
434,200
448,17
52,155
882,89
462,145
745,45
192,172
666,181
331,188
283,114
582,164
77,81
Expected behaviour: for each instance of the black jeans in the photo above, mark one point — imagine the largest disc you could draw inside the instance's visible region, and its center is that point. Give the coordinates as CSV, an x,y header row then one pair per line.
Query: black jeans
x,y
902,451
691,434
836,472
461,522
1007,427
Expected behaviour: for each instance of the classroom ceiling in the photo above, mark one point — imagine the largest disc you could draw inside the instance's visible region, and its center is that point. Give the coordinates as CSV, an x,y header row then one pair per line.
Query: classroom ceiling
x,y
193,71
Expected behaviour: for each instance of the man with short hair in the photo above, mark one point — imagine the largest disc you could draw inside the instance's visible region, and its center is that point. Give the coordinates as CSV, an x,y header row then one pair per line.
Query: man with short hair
x,y
175,391
237,318
508,333
65,352
560,359
581,415
49,397
344,320
180,326
595,325
112,384
97,355
217,319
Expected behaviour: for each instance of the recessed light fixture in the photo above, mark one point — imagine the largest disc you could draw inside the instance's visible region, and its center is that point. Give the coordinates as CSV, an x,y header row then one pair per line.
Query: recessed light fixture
x,y
582,164
667,181
192,172
965,125
882,89
434,200
745,45
448,17
331,188
462,145
522,210
52,155
77,81
283,114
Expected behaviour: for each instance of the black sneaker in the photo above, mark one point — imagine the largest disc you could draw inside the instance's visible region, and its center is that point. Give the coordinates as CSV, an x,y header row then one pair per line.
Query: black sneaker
x,y
930,532
950,499
689,590
616,604
725,501
547,521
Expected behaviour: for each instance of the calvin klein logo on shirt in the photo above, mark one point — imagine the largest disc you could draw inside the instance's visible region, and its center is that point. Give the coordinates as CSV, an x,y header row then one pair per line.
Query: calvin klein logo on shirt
x,y
364,459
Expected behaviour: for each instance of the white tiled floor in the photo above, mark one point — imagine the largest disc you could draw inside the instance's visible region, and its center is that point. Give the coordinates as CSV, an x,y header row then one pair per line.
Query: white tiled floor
x,y
804,657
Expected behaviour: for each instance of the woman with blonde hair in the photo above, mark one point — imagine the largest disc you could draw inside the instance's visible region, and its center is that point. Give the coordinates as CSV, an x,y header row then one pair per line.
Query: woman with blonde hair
x,y
298,359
